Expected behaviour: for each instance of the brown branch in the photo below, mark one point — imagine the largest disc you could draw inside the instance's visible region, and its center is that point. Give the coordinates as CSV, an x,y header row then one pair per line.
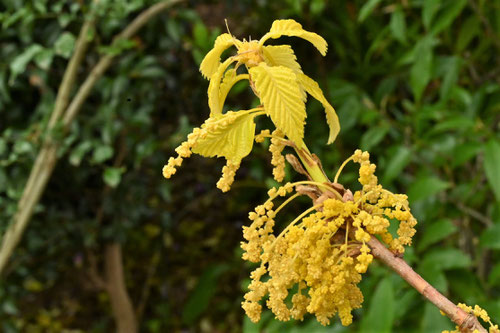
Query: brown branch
x,y
121,304
466,322
47,157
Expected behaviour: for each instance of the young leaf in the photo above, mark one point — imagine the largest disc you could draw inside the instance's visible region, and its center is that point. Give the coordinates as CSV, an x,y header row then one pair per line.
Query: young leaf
x,y
232,138
211,62
282,98
214,101
315,91
294,29
492,166
229,80
281,55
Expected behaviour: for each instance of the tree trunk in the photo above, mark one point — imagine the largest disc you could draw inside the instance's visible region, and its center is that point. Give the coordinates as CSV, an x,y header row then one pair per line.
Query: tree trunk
x,y
121,305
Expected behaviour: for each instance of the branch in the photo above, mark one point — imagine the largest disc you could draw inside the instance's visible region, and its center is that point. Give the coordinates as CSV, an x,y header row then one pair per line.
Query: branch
x,y
47,157
45,161
105,61
121,304
466,322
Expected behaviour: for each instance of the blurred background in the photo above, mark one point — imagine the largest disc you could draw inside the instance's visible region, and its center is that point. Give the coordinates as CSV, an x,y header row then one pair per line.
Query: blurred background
x,y
416,83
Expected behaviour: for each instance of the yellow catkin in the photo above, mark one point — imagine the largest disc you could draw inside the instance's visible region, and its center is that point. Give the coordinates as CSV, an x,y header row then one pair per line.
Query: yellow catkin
x,y
277,160
316,254
228,173
478,312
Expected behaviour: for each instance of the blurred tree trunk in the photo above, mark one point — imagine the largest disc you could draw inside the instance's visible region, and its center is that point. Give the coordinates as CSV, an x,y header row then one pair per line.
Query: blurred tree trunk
x,y
121,305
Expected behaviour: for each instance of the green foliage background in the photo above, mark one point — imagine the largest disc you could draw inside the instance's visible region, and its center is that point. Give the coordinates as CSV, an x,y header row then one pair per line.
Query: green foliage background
x,y
416,83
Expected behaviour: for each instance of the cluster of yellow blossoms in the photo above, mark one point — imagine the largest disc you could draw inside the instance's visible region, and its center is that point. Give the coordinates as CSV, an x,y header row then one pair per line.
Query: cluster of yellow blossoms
x,y
323,252
278,143
478,312
185,150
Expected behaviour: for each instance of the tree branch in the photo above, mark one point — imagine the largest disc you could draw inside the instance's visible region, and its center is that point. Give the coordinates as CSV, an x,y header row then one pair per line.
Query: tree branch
x,y
121,304
466,322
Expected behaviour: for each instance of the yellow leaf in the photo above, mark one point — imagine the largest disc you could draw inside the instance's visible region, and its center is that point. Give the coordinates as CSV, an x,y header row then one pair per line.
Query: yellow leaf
x,y
281,55
293,28
214,101
211,62
315,91
229,80
282,98
230,135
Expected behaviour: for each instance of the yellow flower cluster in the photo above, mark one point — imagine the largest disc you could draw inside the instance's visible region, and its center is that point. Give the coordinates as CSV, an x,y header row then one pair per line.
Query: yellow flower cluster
x,y
323,252
250,53
276,147
184,150
383,205
227,179
277,160
478,312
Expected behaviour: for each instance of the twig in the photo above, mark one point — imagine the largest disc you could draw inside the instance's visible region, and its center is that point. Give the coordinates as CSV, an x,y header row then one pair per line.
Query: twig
x,y
466,322
47,157
105,61
45,160
475,214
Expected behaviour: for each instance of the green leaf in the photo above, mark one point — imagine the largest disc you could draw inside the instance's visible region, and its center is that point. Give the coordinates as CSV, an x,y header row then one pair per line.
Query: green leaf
x,y
112,176
494,276
65,44
429,9
456,123
232,138
433,274
451,76
464,152
398,25
398,161
44,58
425,187
420,73
200,297
404,302
380,315
490,238
492,166
19,63
436,231
76,156
447,259
373,136
468,30
433,320
448,15
367,9
102,153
